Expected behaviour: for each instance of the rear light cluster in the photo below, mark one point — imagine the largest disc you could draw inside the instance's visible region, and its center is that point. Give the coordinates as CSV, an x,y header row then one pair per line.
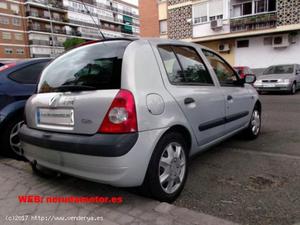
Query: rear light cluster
x,y
121,116
7,66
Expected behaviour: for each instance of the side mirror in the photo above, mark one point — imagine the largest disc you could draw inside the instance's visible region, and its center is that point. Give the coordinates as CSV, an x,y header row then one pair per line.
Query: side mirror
x,y
250,78
297,72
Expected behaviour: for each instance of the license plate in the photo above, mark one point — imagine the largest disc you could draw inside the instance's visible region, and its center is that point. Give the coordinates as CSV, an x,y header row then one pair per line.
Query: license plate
x,y
61,117
269,85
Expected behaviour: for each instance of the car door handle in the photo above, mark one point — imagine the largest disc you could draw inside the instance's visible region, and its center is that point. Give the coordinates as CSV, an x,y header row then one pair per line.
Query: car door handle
x,y
188,101
229,97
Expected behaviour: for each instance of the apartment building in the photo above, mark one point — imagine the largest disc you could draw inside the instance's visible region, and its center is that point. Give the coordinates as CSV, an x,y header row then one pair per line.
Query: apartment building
x,y
13,38
255,33
47,24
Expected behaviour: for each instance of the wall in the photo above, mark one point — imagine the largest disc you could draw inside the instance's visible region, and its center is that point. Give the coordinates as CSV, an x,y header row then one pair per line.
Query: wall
x,y
204,30
288,12
149,25
259,55
178,25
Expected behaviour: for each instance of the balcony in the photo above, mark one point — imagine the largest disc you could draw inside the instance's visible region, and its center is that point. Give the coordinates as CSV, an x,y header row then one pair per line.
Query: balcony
x,y
45,43
47,30
54,4
253,22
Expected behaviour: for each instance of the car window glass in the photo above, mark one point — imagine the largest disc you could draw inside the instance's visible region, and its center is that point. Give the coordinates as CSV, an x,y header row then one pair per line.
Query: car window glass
x,y
29,74
190,70
171,64
194,70
280,69
94,67
224,72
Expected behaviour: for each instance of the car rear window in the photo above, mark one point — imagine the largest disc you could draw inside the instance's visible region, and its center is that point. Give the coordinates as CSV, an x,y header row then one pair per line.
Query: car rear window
x,y
91,67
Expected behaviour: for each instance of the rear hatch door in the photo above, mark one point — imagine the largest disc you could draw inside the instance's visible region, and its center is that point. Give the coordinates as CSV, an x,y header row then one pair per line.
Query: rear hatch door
x,y
76,90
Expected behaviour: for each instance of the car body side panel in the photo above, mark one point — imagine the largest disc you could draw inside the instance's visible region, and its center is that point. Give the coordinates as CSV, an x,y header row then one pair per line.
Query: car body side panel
x,y
142,79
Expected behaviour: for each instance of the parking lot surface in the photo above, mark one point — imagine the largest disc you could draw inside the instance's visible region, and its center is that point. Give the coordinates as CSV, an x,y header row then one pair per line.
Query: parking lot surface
x,y
252,182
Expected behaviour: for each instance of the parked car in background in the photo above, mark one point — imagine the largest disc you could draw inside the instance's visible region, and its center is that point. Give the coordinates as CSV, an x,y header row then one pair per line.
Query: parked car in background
x,y
243,70
3,63
18,82
100,115
279,78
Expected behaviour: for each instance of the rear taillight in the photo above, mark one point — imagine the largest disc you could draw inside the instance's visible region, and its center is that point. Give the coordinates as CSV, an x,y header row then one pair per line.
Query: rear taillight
x,y
7,66
121,116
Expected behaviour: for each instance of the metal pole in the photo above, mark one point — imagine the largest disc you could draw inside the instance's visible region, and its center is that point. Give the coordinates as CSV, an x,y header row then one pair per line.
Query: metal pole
x,y
51,28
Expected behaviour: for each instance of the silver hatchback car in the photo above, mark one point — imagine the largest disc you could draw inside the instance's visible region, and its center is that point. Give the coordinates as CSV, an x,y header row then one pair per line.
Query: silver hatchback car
x,y
132,112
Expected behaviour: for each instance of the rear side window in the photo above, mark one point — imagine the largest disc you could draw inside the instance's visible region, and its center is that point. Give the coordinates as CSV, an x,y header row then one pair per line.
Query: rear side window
x,y
29,74
184,66
91,67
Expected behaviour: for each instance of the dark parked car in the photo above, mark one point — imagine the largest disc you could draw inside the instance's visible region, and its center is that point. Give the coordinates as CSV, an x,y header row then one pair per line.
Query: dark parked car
x,y
17,83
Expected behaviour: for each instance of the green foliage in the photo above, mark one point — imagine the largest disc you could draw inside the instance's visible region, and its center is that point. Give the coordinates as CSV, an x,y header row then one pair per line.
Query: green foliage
x,y
72,42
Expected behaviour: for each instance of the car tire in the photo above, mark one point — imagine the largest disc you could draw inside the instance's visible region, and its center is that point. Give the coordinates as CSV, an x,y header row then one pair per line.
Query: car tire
x,y
43,171
10,139
254,127
168,168
293,89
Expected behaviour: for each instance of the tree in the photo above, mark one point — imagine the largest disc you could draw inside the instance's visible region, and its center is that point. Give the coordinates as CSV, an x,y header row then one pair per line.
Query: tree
x,y
72,42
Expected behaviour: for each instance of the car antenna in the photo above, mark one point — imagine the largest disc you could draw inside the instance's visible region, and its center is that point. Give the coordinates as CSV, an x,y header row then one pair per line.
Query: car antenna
x,y
99,28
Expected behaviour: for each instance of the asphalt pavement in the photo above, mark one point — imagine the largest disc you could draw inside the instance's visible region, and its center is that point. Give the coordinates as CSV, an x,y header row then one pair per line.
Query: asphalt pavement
x,y
252,182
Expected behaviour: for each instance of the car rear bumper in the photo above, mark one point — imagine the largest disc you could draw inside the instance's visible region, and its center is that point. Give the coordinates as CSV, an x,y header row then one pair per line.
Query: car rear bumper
x,y
126,170
110,145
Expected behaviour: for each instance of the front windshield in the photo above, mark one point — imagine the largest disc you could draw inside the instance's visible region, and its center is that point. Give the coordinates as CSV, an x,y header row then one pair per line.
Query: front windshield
x,y
282,69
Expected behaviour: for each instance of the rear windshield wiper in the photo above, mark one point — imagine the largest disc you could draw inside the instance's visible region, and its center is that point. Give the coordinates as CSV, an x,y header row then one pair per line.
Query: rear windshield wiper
x,y
74,88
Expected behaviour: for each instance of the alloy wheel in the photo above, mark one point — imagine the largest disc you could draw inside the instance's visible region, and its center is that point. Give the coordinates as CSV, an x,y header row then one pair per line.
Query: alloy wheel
x,y
14,140
172,167
255,122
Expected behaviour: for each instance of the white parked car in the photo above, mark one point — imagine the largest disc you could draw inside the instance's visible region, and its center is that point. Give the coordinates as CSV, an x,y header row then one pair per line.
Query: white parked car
x,y
279,78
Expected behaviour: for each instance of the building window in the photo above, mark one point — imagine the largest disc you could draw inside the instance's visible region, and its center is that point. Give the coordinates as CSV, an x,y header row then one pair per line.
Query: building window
x,y
36,26
260,6
18,37
242,44
200,13
3,5
15,8
264,6
6,35
47,14
34,12
163,26
215,9
211,10
20,51
16,21
242,9
8,51
56,16
218,17
4,20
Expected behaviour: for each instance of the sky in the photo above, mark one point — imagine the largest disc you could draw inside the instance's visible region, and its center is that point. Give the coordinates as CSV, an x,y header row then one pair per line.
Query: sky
x,y
135,2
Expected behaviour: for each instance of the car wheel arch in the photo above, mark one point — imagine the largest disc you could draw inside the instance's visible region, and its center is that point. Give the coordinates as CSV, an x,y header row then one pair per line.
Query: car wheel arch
x,y
184,132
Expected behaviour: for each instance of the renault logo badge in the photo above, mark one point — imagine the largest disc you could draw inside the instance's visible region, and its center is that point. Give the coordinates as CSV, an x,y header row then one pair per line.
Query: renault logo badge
x,y
54,100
